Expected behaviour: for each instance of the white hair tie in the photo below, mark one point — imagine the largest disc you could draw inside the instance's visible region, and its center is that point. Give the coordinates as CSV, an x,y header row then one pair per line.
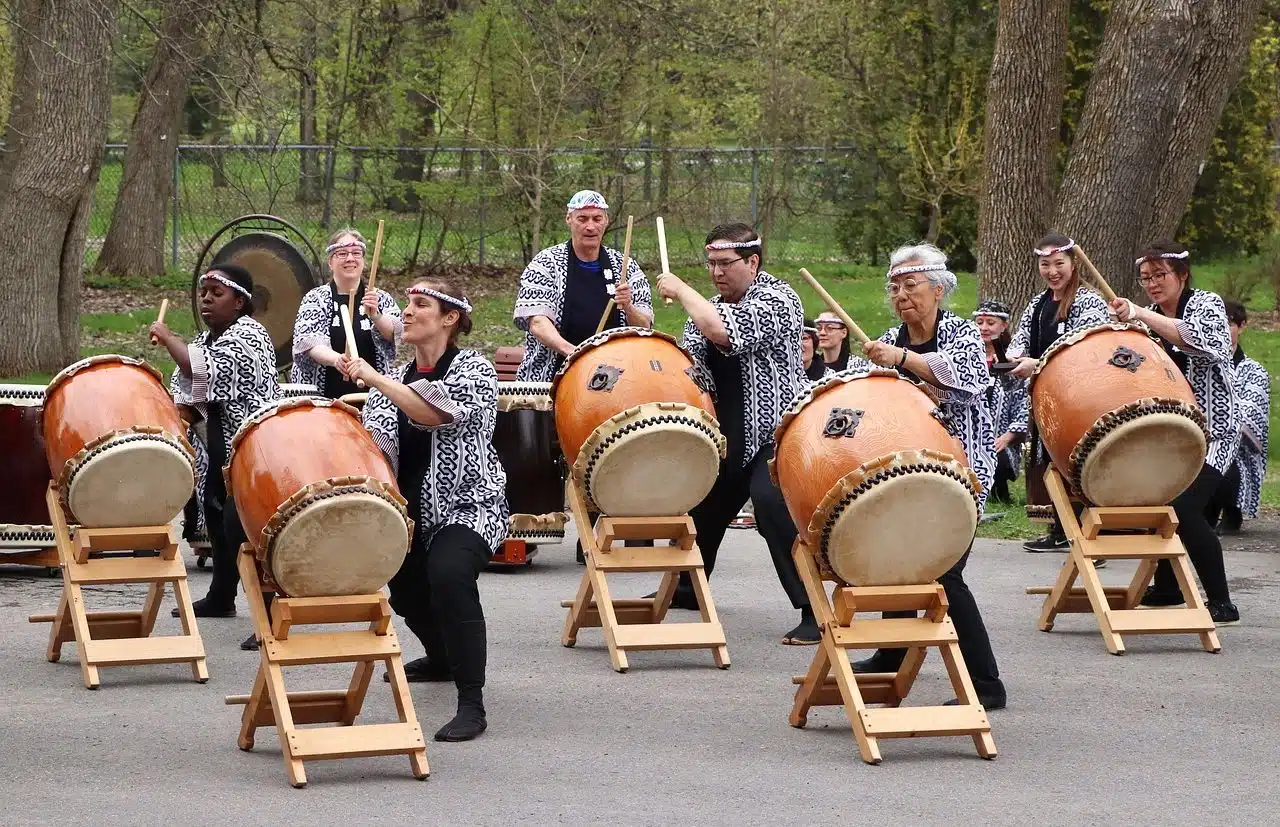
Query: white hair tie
x,y
1071,242
436,294
733,245
217,275
914,268
1182,255
339,245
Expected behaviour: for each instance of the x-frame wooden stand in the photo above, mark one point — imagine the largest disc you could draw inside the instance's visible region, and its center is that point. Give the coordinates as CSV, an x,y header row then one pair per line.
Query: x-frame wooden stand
x,y
842,631
1116,607
636,624
281,645
119,638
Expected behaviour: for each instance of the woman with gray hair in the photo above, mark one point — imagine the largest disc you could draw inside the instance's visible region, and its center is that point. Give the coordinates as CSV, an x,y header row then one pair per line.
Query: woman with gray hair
x,y
935,347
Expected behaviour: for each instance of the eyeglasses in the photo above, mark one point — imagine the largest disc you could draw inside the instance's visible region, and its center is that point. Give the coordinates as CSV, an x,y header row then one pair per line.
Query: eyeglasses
x,y
829,325
893,288
722,264
1145,280
341,254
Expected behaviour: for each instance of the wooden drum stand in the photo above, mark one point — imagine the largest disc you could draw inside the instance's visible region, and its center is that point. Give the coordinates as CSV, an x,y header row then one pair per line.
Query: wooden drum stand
x,y
1116,607
842,631
281,645
636,624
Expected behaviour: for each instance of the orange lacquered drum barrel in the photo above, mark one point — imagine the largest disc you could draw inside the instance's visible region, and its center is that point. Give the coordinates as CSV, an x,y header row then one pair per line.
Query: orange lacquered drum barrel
x,y
1119,419
637,424
318,500
878,489
116,446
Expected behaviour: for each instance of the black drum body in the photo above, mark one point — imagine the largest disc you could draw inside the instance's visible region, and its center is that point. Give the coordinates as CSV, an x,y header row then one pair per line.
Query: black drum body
x,y
24,469
529,449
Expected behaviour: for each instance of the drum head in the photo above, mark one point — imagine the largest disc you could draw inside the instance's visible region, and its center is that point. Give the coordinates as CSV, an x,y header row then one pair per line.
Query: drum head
x,y
349,544
281,277
905,531
1143,462
131,482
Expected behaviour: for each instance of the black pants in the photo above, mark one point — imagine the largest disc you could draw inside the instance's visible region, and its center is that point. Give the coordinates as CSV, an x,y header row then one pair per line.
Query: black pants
x,y
975,644
1005,474
711,517
1201,541
226,534
436,593
1224,504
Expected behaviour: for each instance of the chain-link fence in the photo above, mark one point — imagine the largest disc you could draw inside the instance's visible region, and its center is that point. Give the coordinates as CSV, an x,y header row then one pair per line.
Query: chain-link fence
x,y
461,206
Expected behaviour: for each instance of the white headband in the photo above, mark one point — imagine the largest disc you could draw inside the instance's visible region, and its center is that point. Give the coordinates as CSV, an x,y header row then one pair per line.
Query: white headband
x,y
444,297
217,276
1071,242
808,329
914,268
733,245
991,313
355,242
585,199
1181,255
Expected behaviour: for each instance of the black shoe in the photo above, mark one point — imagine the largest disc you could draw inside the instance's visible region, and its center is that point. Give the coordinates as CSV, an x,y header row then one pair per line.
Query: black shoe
x,y
807,633
582,558
466,725
1047,543
204,608
1224,612
685,600
989,702
422,670
1155,598
879,662
250,644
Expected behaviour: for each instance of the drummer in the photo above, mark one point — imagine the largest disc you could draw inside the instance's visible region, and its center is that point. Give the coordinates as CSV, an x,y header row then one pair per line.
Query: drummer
x,y
814,369
935,347
747,339
1004,397
1065,307
319,339
833,340
224,375
565,290
1192,326
434,419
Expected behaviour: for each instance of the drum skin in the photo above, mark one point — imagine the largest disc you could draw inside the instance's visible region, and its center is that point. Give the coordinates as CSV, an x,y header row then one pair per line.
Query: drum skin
x,y
1118,418
24,470
865,467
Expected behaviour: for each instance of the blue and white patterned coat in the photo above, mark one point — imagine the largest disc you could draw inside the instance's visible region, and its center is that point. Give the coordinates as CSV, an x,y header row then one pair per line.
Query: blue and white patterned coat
x,y
1203,328
541,293
1253,392
1005,398
237,370
466,484
960,367
764,328
316,319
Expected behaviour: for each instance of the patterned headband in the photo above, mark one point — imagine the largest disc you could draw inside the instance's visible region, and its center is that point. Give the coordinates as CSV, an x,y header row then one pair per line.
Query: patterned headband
x,y
913,268
335,246
1071,242
733,245
1182,255
990,307
584,199
832,322
812,330
216,275
436,294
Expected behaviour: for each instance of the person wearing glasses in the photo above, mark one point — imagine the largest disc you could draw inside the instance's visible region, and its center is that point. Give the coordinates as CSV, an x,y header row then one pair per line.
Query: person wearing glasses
x,y
565,290
938,348
747,339
1192,325
319,339
833,340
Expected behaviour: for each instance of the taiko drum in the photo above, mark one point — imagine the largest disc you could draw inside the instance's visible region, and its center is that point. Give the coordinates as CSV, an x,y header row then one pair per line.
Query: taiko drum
x,y
637,424
317,498
526,442
1117,416
24,470
877,487
116,445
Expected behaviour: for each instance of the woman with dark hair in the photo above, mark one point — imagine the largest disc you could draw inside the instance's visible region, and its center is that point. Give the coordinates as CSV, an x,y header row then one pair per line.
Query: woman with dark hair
x,y
1063,308
224,375
814,369
434,420
1192,326
833,340
1238,497
1004,397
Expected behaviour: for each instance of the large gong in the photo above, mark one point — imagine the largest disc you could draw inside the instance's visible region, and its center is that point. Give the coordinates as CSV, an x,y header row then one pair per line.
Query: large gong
x,y
282,273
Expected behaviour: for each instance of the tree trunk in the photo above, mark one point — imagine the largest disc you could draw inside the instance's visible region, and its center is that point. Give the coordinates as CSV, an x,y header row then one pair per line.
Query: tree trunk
x,y
1109,186
1024,107
48,194
1226,29
134,245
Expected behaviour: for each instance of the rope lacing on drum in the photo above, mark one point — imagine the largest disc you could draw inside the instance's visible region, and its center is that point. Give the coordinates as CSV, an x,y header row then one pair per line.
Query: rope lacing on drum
x,y
1127,413
112,440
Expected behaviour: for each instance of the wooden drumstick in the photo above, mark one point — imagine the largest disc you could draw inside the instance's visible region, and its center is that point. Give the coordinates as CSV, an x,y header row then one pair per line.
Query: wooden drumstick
x,y
662,248
352,353
626,268
1097,277
164,308
373,270
835,307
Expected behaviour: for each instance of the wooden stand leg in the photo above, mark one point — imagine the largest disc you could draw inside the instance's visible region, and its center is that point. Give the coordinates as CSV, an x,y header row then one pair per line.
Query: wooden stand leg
x,y
831,680
1116,608
270,704
119,638
637,624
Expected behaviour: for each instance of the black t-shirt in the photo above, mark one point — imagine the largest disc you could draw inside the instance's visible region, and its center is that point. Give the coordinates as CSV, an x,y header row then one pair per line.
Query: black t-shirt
x,y
930,346
730,404
335,384
416,443
1045,327
817,369
586,294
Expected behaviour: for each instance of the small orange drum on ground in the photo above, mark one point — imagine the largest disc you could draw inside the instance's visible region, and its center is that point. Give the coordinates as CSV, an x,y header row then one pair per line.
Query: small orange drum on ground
x,y
877,487
318,500
116,446
1119,419
637,424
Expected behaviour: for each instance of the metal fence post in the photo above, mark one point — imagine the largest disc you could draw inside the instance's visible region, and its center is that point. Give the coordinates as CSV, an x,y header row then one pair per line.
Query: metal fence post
x,y
328,187
484,202
177,160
